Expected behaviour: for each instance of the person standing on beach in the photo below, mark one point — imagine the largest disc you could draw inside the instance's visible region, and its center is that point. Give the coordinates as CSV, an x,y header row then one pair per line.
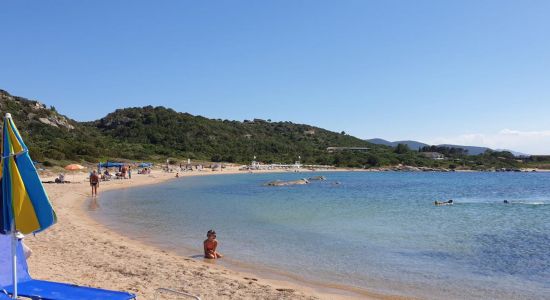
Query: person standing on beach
x,y
129,172
210,245
94,182
123,171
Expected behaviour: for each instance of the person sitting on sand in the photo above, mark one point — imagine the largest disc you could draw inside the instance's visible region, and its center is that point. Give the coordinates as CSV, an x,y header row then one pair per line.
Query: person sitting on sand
x,y
107,175
177,174
60,178
438,203
210,245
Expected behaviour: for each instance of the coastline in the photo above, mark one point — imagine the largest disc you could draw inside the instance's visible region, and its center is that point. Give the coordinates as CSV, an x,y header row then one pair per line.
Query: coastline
x,y
83,251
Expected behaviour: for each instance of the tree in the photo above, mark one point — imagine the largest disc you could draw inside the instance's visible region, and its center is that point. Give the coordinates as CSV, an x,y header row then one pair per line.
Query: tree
x,y
374,161
401,149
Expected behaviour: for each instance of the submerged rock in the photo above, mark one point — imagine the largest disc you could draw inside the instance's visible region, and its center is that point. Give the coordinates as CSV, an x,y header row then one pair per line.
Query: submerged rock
x,y
286,183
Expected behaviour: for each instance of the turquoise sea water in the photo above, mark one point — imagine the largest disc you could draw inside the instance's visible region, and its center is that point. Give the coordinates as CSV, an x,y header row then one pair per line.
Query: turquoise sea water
x,y
379,231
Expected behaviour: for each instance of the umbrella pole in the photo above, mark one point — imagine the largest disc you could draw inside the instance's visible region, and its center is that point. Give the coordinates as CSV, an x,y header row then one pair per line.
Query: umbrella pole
x,y
14,262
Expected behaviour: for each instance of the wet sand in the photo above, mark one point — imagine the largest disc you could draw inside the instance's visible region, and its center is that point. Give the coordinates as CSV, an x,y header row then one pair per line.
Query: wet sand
x,y
80,250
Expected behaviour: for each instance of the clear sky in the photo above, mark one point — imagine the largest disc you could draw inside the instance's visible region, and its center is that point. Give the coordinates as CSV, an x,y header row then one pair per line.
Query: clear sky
x,y
474,72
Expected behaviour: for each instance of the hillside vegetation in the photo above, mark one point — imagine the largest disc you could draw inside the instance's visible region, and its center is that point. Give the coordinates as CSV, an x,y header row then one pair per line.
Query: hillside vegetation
x,y
158,133
51,135
165,132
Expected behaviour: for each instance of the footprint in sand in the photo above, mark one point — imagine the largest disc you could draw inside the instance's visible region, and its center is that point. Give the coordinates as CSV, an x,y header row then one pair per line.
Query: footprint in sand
x,y
253,279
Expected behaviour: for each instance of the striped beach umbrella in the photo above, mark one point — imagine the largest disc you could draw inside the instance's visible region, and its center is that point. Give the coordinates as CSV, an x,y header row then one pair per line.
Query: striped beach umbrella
x,y
24,206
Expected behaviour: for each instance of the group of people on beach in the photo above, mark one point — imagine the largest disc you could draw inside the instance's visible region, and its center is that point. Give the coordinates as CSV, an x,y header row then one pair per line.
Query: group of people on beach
x,y
144,171
96,176
123,173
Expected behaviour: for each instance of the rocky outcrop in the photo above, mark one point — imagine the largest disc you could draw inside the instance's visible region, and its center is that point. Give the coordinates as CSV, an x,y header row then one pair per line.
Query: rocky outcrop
x,y
287,183
56,122
32,110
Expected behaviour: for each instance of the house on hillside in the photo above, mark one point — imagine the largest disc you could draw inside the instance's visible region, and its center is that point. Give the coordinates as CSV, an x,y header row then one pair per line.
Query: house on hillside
x,y
433,155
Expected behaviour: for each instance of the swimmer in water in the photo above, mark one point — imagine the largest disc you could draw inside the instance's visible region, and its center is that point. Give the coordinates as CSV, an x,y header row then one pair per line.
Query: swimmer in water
x,y
439,203
210,245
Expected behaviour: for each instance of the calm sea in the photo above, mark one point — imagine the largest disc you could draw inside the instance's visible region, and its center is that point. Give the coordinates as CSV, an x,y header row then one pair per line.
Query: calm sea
x,y
369,230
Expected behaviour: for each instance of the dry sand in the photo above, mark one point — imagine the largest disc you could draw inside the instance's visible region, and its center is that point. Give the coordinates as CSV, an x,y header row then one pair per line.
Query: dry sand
x,y
82,251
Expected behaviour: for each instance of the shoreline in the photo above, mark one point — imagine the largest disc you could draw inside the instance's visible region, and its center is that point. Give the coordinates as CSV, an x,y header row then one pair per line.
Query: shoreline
x,y
99,256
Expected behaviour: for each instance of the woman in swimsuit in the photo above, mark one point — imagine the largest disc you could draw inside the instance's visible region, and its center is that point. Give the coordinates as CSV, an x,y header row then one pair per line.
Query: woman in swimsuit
x,y
94,182
210,245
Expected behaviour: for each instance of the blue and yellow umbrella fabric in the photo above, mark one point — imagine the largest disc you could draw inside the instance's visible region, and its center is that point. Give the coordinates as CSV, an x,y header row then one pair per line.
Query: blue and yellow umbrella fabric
x,y
25,206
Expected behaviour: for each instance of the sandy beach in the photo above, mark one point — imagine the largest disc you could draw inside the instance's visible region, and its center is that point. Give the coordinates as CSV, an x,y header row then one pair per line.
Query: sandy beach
x,y
80,250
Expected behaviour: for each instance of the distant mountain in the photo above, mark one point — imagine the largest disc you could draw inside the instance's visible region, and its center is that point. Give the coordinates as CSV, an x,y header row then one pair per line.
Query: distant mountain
x,y
378,141
515,153
414,145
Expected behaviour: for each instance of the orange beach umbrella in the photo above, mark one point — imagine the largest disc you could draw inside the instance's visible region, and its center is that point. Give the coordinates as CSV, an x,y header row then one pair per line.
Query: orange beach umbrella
x,y
74,167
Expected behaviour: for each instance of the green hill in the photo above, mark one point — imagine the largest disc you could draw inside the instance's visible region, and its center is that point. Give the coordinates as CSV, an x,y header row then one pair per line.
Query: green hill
x,y
169,133
157,133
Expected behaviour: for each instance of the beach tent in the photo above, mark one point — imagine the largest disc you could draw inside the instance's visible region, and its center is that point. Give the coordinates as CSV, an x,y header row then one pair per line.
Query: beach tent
x,y
109,165
25,207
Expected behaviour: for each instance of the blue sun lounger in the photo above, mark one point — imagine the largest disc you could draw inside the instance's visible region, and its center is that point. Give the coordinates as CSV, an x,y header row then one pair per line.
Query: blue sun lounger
x,y
46,290
39,289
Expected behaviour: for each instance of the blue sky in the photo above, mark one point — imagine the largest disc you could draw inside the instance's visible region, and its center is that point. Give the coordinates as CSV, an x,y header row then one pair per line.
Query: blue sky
x,y
475,72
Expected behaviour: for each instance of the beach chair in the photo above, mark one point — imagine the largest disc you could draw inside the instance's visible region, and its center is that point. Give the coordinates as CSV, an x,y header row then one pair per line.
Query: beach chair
x,y
41,289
